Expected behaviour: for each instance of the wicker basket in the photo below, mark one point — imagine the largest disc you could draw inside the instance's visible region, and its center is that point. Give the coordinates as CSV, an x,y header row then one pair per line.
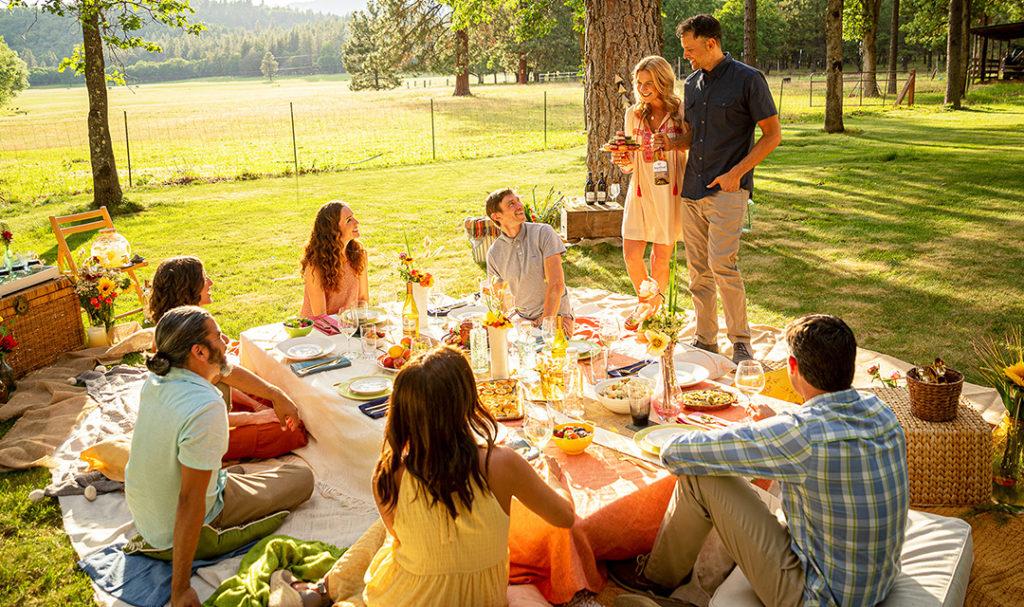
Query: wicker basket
x,y
934,402
948,464
47,323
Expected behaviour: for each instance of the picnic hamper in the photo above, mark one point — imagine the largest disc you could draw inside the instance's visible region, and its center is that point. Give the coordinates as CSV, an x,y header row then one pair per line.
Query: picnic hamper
x,y
934,402
46,322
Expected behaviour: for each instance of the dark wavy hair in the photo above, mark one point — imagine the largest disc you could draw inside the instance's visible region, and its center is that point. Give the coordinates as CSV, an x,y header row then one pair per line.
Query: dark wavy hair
x,y
432,425
178,281
323,252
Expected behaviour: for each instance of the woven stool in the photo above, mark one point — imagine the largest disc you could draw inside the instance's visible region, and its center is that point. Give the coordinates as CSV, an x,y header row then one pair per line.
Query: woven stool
x,y
948,463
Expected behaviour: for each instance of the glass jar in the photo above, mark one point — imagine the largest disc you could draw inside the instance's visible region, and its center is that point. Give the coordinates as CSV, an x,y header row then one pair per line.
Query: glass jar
x,y
111,249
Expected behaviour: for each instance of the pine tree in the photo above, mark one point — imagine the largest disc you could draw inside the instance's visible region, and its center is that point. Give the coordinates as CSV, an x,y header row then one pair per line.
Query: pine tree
x,y
269,66
372,55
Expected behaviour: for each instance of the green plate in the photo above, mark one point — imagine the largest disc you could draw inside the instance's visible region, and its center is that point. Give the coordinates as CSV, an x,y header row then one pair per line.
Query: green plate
x,y
343,389
651,439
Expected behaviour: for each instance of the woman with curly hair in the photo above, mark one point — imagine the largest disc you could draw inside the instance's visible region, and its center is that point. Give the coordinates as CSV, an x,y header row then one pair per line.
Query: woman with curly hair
x,y
255,421
653,212
334,262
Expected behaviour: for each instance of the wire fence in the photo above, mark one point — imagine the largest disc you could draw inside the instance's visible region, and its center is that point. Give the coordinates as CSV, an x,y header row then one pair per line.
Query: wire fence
x,y
280,131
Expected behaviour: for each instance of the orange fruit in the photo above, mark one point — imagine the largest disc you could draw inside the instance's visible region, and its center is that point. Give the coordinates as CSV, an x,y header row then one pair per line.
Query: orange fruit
x,y
396,351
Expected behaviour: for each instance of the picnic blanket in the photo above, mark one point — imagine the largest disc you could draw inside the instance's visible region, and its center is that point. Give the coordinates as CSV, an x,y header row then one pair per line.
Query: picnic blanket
x,y
250,587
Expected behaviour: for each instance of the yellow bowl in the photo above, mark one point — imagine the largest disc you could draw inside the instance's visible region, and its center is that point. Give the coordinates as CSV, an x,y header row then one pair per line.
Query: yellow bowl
x,y
574,446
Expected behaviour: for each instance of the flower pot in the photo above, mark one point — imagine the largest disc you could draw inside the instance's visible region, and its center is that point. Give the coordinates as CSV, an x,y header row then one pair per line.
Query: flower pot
x,y
7,385
97,337
934,402
422,297
497,338
1008,462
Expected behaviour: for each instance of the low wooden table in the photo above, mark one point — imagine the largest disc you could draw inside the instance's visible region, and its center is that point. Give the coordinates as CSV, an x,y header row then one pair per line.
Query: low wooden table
x,y
581,220
948,463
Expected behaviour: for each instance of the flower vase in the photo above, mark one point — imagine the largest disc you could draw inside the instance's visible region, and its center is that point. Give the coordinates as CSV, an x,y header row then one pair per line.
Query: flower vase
x,y
8,265
97,337
1008,462
497,338
7,385
421,295
669,409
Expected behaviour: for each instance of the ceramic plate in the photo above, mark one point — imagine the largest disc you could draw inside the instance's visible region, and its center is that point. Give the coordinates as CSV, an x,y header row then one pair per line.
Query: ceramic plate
x,y
343,389
372,385
373,316
470,312
653,438
687,374
585,348
306,348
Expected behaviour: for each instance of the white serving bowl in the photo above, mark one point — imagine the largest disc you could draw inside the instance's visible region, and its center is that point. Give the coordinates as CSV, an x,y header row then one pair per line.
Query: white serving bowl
x,y
617,405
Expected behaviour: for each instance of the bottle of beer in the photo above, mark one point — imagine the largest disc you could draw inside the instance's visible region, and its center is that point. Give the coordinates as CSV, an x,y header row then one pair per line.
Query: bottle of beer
x,y
410,315
590,192
602,191
660,169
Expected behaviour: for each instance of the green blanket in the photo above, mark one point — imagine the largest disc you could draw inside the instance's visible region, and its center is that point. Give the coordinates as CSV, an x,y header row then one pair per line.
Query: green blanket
x,y
309,561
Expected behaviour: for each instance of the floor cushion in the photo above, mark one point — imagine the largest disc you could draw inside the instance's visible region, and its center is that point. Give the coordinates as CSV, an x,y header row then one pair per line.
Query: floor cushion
x,y
936,567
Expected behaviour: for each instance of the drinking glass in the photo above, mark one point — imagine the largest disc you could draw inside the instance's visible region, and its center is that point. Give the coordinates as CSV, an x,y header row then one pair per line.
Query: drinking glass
x,y
666,408
750,379
538,423
348,321
572,398
613,191
548,328
609,331
597,369
640,410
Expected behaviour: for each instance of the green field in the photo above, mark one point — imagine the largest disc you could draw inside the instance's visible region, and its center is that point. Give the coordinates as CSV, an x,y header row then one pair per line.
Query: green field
x,y
908,226
222,128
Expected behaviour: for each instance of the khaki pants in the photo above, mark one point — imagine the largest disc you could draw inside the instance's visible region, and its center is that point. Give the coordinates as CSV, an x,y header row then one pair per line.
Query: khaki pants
x,y
711,232
751,534
249,496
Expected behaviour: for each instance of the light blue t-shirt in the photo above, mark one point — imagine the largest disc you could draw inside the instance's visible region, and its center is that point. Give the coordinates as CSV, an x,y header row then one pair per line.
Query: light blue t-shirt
x,y
182,421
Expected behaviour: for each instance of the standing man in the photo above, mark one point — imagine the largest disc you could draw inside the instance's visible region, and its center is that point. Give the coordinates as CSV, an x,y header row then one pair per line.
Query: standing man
x,y
528,258
724,99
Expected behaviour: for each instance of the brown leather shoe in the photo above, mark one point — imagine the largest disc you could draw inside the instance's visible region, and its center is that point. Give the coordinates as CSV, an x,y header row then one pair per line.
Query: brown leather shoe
x,y
629,574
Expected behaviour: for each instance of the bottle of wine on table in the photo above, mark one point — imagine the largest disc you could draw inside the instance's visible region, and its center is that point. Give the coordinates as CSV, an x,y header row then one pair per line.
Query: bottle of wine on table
x,y
601,195
590,193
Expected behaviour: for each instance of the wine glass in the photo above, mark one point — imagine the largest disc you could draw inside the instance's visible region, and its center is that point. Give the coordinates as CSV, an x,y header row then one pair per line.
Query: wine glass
x,y
538,423
608,331
548,328
348,321
613,191
750,379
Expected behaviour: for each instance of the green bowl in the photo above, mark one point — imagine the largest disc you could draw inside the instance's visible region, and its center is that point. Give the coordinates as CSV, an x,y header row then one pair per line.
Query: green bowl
x,y
298,331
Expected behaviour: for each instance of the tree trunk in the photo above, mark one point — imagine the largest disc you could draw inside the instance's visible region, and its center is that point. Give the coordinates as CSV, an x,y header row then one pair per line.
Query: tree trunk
x,y
954,50
894,46
105,184
609,53
834,67
965,48
461,63
522,74
750,33
870,47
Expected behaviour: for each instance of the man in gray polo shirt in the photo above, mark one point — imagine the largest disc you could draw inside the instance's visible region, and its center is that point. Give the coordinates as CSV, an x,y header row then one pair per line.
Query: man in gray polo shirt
x,y
528,258
724,100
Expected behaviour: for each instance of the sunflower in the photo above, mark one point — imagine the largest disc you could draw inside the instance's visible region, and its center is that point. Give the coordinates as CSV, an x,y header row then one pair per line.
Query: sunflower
x,y
1016,373
656,342
105,286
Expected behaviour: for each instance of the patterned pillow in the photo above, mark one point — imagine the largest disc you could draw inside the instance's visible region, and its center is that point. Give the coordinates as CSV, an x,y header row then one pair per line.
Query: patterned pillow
x,y
214,542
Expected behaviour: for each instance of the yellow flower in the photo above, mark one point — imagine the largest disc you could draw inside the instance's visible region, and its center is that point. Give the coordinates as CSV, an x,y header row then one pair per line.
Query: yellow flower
x,y
656,342
1016,373
105,286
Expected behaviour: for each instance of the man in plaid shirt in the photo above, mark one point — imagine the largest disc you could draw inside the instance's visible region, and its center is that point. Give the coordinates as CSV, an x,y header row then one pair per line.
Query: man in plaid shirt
x,y
841,464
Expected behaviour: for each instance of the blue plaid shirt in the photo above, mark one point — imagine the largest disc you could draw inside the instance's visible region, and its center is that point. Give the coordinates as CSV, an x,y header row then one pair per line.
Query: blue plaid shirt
x,y
841,461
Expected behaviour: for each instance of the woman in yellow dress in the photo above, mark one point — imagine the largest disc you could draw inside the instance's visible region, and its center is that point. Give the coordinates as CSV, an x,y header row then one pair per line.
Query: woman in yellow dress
x,y
653,212
444,491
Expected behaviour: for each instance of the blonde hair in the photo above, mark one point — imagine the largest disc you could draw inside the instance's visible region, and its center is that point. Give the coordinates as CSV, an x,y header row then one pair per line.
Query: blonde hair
x,y
665,81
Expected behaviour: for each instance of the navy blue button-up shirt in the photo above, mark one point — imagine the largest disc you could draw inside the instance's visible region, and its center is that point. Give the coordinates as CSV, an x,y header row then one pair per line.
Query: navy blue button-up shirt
x,y
722,108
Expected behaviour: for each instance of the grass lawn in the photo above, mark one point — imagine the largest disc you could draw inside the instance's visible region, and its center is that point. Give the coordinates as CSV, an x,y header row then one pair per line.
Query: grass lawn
x,y
908,226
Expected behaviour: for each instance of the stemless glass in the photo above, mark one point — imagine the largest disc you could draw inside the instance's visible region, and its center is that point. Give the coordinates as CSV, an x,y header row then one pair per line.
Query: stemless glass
x,y
666,408
750,379
609,331
538,423
548,327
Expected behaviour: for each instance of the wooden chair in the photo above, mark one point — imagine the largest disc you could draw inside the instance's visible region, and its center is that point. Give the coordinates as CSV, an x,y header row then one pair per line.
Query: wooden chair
x,y
89,221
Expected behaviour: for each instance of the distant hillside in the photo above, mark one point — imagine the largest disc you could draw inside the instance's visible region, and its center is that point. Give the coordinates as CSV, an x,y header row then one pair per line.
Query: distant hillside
x,y
332,7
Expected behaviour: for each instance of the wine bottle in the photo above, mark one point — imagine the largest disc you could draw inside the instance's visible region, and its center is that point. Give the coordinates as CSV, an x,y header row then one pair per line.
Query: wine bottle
x,y
602,191
559,344
410,314
660,169
590,193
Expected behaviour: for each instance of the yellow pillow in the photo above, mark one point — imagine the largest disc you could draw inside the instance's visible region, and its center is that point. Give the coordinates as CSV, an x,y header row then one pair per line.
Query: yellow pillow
x,y
777,385
109,457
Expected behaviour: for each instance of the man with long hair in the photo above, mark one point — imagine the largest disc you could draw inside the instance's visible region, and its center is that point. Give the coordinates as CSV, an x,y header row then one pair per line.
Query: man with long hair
x,y
723,100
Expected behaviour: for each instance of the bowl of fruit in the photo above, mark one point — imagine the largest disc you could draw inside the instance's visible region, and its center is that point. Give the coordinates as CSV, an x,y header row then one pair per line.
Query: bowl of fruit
x,y
573,437
395,357
298,326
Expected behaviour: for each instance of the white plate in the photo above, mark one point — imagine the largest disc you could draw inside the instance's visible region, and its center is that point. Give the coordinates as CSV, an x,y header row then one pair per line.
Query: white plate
x,y
372,316
654,438
306,348
470,312
370,385
687,374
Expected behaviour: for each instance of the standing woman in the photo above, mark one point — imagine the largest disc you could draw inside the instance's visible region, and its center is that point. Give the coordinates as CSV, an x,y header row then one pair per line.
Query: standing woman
x,y
334,263
652,212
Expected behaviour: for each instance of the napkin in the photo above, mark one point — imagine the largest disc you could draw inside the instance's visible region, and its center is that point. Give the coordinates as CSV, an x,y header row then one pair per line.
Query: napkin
x,y
339,363
632,369
326,324
376,408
